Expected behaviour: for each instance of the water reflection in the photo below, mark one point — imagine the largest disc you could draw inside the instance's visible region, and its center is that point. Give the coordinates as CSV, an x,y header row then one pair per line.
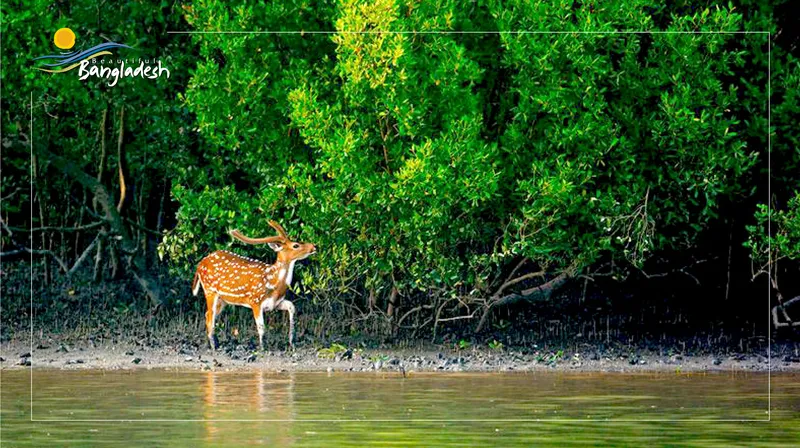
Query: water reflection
x,y
253,398
258,396
190,408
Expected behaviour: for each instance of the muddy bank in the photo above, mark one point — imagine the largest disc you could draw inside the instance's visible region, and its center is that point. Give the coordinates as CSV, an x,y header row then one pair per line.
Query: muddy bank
x,y
18,355
82,325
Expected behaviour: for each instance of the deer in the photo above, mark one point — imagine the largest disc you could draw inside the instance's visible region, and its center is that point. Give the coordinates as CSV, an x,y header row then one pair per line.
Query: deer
x,y
228,278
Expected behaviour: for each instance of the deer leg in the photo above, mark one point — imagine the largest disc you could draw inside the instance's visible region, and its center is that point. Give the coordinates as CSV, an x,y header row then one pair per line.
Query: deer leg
x,y
289,307
258,315
213,306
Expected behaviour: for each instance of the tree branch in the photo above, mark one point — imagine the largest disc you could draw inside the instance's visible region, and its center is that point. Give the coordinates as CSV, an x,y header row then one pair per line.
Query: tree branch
x,y
10,195
513,282
121,162
84,255
37,252
542,291
59,229
789,323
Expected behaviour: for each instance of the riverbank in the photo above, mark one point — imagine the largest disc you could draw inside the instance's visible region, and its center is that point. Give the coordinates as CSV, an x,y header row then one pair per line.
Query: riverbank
x,y
85,327
339,358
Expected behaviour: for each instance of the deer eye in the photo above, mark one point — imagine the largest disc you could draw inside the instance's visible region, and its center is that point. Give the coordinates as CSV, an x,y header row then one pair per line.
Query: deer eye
x,y
295,246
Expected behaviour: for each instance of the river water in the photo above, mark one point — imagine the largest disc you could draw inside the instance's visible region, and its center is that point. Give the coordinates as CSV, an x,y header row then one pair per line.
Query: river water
x,y
196,408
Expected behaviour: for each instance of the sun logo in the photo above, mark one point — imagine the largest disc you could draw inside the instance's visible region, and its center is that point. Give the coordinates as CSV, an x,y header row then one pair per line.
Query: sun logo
x,y
64,38
67,60
90,62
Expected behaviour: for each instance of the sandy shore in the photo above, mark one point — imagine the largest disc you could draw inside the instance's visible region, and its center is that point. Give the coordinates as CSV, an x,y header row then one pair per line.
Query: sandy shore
x,y
18,355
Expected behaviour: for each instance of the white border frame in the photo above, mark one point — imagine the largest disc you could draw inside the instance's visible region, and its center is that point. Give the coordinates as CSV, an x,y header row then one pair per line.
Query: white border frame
x,y
538,420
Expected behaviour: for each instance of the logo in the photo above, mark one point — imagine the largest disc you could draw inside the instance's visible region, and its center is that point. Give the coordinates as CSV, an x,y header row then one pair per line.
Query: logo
x,y
90,62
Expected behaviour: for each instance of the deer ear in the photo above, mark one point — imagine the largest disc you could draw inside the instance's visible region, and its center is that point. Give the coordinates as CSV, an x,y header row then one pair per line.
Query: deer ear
x,y
277,247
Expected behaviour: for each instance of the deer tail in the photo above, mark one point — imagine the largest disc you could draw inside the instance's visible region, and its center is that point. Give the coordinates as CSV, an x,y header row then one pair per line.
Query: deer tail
x,y
196,283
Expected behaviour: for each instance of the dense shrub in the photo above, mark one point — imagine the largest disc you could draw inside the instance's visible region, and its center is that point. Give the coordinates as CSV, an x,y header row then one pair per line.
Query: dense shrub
x,y
83,122
432,165
440,173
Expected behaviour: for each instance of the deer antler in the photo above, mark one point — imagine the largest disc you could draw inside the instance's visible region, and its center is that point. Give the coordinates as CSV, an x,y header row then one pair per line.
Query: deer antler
x,y
279,229
270,239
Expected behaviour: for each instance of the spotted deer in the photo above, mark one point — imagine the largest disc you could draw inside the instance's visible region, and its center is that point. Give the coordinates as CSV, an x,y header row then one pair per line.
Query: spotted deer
x,y
227,278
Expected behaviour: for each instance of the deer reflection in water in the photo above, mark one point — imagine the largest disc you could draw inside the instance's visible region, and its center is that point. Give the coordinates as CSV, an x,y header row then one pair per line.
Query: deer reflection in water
x,y
249,398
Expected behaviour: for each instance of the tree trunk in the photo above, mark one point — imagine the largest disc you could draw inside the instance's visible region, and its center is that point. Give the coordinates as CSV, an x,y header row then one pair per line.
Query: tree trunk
x,y
101,168
101,165
390,309
392,303
116,225
98,260
116,266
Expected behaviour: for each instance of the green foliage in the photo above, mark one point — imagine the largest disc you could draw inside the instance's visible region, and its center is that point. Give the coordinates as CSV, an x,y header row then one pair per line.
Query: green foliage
x,y
549,358
599,119
784,240
62,102
67,115
495,345
430,162
783,170
425,166
332,351
379,358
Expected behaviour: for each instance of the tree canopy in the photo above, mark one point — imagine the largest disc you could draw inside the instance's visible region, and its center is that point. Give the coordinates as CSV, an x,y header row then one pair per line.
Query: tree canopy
x,y
445,157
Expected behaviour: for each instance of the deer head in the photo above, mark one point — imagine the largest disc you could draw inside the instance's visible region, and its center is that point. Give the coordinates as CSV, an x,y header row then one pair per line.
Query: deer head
x,y
287,249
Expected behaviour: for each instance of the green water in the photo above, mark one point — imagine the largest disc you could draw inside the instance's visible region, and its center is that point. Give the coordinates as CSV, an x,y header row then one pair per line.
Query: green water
x,y
191,408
